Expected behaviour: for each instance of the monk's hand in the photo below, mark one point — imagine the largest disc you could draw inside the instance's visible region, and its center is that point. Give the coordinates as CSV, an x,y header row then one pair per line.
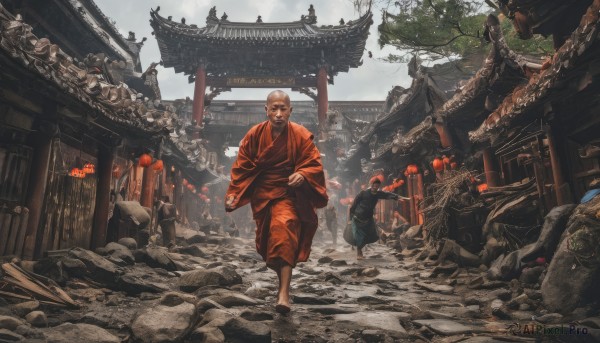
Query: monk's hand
x,y
229,201
296,180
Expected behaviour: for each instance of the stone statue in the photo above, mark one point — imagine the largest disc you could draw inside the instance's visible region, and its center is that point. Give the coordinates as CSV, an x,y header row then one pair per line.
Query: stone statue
x,y
311,11
259,19
224,16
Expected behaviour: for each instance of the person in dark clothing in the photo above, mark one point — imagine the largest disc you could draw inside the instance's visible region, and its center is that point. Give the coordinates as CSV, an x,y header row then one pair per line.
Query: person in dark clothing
x,y
361,214
166,216
331,221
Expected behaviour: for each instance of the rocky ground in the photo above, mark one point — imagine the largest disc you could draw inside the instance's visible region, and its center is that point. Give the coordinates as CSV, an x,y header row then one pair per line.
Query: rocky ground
x,y
217,289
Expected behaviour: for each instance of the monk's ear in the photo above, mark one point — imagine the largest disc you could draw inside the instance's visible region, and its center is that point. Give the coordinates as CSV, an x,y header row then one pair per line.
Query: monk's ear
x,y
291,108
267,110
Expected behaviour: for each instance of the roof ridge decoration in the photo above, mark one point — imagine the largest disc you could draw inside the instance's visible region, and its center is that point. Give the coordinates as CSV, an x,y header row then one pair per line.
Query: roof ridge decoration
x,y
478,87
117,103
540,86
124,42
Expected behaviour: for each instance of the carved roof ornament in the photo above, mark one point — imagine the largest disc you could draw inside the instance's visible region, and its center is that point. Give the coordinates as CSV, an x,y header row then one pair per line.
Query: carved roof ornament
x,y
212,18
224,17
259,19
311,18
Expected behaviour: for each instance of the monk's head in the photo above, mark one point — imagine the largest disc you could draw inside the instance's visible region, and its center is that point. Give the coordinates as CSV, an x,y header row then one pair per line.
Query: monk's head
x,y
278,109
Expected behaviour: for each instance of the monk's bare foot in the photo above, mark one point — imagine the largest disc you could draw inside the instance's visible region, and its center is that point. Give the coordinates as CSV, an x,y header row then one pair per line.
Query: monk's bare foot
x,y
282,308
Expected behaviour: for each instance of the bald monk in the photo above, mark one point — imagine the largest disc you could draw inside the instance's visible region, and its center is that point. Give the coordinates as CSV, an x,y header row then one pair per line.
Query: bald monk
x,y
278,171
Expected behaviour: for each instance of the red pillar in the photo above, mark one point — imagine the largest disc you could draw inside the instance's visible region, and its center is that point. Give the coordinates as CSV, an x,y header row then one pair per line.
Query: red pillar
x,y
491,174
147,187
104,172
411,195
445,138
322,97
42,145
199,92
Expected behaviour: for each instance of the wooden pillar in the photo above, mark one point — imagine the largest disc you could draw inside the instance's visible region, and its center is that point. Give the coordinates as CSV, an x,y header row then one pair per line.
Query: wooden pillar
x,y
42,145
562,194
147,187
420,196
199,93
106,158
445,138
411,195
489,163
322,98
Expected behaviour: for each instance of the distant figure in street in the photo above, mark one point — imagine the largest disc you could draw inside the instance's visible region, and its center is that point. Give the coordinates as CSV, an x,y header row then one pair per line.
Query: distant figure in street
x,y
361,214
278,171
166,216
331,221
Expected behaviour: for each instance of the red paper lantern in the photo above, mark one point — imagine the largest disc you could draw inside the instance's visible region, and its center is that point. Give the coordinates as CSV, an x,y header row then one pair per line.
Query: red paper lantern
x,y
446,160
145,160
412,169
438,165
453,165
158,166
482,188
204,190
89,168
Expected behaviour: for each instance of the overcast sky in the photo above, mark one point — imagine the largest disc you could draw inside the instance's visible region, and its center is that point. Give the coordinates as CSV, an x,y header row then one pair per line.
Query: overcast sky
x,y
371,81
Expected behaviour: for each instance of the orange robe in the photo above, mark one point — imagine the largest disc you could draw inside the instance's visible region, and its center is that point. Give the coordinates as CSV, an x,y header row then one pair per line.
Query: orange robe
x,y
285,217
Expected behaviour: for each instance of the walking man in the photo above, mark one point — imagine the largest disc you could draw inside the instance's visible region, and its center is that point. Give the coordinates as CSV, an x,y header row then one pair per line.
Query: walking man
x,y
278,171
361,214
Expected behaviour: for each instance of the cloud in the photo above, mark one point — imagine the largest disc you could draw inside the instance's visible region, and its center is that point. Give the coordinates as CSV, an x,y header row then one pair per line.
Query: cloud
x,y
371,81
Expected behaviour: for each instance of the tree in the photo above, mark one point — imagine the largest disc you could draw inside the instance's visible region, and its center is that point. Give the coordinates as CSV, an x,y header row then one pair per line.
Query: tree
x,y
437,29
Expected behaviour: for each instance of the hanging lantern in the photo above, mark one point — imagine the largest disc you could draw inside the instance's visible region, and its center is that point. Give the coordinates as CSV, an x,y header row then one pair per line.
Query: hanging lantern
x,y
482,188
453,165
446,160
89,168
158,166
204,190
438,165
145,160
172,169
412,169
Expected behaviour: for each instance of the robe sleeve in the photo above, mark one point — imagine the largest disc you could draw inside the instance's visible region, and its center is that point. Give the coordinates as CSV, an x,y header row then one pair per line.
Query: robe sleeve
x,y
386,195
243,173
355,203
308,164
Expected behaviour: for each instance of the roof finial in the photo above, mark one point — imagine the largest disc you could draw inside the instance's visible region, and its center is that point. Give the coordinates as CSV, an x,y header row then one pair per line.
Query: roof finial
x,y
212,16
183,20
311,18
259,19
342,21
224,16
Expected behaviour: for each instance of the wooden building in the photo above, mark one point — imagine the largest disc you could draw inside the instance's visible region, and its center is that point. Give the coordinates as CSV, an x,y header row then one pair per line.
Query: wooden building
x,y
66,123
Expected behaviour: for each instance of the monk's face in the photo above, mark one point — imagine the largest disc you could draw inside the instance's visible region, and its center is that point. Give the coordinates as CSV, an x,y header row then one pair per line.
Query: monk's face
x,y
278,109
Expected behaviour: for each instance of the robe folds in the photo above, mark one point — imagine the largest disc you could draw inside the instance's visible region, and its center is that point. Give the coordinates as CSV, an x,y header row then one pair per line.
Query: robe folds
x,y
285,217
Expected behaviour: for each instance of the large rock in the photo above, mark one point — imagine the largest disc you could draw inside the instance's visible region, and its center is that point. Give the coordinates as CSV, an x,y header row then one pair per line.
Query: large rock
x,y
37,318
411,239
191,236
555,224
10,323
9,336
129,242
68,332
219,276
99,269
448,327
134,284
389,321
73,266
164,323
231,299
207,334
241,330
121,252
158,257
574,272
